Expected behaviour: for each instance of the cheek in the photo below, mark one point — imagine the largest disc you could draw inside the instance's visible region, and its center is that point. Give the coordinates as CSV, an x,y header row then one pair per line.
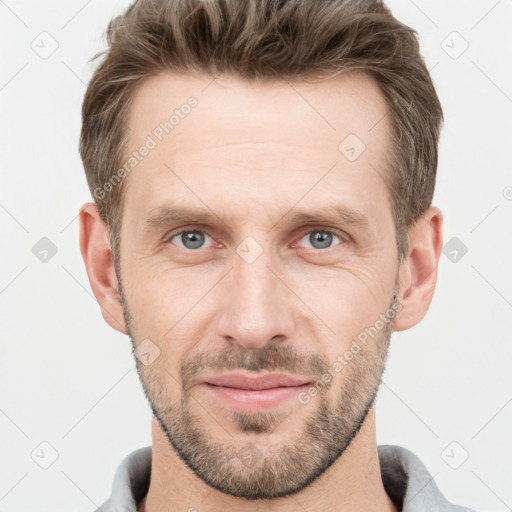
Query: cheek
x,y
349,295
159,298
161,382
170,313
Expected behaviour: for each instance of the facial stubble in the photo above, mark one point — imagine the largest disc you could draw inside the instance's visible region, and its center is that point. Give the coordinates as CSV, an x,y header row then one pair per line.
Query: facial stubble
x,y
243,465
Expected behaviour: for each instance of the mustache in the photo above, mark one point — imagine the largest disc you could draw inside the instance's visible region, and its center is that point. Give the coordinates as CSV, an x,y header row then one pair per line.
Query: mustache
x,y
271,358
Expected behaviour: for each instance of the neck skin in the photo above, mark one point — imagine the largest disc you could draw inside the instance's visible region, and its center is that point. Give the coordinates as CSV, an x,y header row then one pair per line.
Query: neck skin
x,y
353,483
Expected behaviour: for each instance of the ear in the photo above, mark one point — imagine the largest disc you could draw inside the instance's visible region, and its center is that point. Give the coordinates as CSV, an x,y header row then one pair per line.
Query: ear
x,y
95,249
418,273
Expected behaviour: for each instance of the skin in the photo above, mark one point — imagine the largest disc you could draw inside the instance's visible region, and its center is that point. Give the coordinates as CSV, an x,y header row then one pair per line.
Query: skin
x,y
253,155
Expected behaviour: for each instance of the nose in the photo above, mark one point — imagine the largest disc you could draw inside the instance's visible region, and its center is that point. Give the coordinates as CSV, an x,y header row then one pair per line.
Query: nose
x,y
256,306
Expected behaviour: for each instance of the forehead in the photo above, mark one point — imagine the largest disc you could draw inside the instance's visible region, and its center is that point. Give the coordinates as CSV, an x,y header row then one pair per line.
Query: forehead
x,y
263,137
257,111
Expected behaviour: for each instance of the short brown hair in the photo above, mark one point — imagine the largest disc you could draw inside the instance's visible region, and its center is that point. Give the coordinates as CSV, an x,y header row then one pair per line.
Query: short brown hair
x,y
265,40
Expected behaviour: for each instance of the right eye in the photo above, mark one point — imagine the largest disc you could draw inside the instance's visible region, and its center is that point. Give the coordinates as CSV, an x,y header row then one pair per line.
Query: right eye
x,y
190,240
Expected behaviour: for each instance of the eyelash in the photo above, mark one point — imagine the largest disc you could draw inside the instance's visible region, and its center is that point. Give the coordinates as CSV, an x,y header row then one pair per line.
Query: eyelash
x,y
341,235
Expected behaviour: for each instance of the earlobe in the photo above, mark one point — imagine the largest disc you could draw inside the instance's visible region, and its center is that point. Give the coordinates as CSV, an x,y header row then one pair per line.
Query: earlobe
x,y
95,249
418,274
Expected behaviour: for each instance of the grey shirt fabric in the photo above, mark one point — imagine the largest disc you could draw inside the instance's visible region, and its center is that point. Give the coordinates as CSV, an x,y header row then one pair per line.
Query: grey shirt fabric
x,y
406,480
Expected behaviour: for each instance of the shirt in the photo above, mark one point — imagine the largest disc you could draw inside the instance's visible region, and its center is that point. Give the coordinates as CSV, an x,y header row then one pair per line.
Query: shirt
x,y
405,478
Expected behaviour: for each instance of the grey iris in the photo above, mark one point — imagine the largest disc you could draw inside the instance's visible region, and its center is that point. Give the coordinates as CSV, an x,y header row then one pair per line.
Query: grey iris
x,y
324,238
192,239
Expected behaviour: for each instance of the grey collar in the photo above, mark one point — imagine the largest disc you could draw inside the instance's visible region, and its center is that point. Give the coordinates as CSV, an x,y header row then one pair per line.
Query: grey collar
x,y
405,478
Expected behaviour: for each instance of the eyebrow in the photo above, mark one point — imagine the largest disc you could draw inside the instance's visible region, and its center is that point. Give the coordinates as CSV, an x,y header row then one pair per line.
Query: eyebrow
x,y
166,216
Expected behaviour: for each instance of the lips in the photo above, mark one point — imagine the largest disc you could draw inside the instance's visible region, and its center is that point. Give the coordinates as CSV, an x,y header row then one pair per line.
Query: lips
x,y
253,394
269,381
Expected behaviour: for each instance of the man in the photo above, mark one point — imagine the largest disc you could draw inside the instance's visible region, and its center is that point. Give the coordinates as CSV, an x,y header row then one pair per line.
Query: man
x,y
263,173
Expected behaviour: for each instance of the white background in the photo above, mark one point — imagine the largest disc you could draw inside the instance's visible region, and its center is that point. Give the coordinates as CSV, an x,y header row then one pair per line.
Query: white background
x,y
68,379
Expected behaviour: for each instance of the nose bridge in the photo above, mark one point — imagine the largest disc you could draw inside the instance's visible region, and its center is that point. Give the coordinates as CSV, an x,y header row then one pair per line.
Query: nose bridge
x,y
253,281
254,310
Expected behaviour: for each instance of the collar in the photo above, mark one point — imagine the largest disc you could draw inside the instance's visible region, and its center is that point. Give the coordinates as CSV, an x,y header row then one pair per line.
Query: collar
x,y
405,478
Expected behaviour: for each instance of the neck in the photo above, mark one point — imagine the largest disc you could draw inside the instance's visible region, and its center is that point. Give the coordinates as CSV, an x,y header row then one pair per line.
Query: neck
x,y
351,484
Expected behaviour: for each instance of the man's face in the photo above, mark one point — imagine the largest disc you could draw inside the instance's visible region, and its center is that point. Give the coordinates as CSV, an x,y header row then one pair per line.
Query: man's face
x,y
271,278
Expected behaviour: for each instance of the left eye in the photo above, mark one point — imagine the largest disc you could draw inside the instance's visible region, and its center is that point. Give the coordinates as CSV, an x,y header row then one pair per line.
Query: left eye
x,y
320,239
